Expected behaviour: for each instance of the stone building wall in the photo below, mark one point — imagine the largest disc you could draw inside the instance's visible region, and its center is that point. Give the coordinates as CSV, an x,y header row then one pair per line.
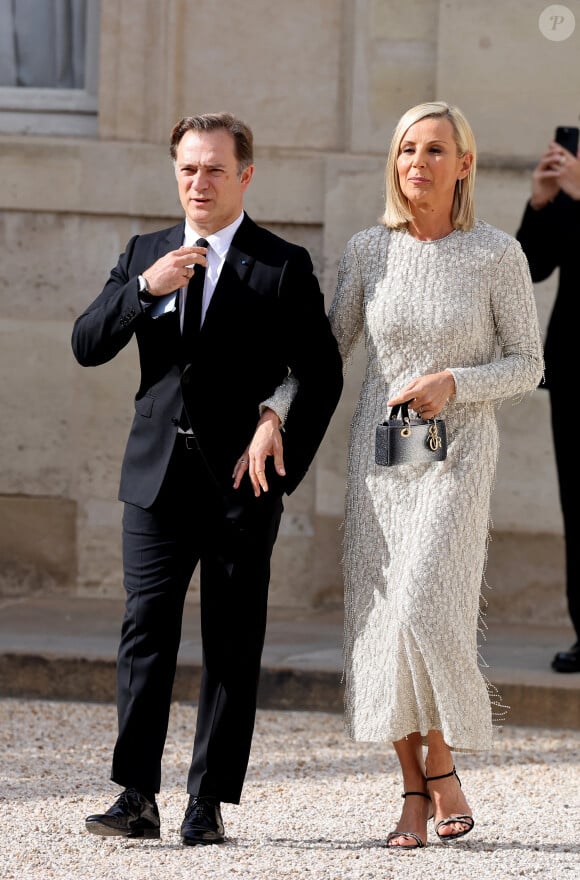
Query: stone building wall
x,y
322,82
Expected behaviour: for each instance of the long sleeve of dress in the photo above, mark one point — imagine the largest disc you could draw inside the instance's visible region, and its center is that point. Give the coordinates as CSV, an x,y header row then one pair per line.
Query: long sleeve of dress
x,y
281,400
519,365
347,310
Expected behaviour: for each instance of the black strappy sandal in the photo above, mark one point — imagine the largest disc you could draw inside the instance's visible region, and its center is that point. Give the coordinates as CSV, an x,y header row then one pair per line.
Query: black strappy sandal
x,y
463,818
419,844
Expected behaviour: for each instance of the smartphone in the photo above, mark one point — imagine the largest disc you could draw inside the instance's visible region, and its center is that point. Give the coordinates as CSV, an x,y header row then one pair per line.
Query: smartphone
x,y
567,137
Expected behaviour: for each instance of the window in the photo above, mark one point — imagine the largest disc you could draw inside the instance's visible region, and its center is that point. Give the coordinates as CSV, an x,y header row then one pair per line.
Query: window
x,y
48,66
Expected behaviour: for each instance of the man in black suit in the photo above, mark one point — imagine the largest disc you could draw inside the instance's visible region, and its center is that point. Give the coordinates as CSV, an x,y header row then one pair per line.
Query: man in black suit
x,y
222,310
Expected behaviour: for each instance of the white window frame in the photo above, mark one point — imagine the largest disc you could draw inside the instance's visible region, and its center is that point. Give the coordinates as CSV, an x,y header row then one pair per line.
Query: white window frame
x,y
71,112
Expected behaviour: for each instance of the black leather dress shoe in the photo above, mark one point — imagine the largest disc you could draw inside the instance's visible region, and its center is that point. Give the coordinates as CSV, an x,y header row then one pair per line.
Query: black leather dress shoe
x,y
567,661
202,823
132,815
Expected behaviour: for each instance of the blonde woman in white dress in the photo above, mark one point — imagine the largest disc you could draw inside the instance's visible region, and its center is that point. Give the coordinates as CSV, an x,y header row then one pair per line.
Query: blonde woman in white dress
x,y
446,308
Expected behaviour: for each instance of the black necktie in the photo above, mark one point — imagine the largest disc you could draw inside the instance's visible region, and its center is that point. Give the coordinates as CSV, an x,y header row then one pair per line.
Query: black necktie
x,y
192,320
193,303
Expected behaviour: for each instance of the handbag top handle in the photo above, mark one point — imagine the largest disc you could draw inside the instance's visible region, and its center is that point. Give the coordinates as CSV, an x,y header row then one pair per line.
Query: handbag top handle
x,y
404,408
405,417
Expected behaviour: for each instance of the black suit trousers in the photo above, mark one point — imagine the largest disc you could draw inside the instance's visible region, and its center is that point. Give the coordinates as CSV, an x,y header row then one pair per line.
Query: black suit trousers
x,y
232,536
565,449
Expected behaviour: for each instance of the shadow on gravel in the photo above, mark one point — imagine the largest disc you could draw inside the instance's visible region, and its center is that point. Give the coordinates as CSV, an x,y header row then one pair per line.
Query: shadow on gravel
x,y
471,845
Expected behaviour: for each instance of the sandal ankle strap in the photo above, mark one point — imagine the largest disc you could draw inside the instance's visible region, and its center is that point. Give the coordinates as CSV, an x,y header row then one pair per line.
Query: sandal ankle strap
x,y
418,793
444,776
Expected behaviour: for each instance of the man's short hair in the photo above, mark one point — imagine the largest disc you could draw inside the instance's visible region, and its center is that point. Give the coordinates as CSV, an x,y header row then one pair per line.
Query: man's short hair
x,y
241,133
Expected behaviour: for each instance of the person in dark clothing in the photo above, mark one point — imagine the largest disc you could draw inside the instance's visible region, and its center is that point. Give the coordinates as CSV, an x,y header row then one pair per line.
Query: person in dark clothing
x,y
549,234
221,310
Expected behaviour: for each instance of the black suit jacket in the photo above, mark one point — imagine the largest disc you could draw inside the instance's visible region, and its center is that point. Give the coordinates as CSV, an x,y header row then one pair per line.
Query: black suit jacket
x,y
550,239
266,316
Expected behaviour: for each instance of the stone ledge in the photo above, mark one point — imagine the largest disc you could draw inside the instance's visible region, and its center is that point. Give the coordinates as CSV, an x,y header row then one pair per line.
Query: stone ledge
x,y
116,178
43,676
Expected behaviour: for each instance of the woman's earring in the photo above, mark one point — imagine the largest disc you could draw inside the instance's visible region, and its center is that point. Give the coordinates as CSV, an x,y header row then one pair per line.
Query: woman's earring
x,y
459,186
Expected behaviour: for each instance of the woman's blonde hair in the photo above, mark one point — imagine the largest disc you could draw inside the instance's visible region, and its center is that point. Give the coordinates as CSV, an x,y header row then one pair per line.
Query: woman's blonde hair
x,y
397,212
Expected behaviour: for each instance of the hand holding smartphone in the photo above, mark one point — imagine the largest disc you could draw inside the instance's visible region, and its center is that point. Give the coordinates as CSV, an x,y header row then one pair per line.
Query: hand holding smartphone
x,y
567,170
554,170
567,137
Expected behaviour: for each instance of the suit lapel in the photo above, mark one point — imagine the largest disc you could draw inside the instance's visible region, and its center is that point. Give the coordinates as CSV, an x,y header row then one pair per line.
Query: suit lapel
x,y
172,241
235,271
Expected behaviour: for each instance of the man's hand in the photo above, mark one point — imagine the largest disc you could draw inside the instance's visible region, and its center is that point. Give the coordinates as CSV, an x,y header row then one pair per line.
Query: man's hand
x,y
174,270
267,441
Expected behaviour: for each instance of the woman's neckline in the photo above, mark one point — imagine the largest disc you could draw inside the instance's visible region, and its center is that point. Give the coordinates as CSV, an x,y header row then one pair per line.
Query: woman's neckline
x,y
430,240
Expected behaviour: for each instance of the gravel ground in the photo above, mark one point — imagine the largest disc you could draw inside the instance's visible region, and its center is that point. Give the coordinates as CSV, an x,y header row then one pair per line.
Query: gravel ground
x,y
315,805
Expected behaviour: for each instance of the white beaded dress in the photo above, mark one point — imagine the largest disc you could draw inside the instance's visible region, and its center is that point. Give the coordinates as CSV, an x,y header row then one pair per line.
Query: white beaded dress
x,y
416,535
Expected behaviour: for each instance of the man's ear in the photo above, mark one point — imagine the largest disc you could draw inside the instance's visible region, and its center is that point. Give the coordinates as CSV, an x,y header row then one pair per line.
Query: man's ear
x,y
246,176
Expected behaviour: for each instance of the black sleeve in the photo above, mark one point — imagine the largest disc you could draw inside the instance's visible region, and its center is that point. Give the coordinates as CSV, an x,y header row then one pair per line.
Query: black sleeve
x,y
109,322
314,359
540,237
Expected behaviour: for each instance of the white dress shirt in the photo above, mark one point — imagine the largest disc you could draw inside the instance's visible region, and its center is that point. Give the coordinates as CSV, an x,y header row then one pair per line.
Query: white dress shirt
x,y
219,243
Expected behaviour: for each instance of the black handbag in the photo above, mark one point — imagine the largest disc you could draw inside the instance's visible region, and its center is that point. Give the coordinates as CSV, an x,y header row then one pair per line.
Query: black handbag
x,y
409,441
